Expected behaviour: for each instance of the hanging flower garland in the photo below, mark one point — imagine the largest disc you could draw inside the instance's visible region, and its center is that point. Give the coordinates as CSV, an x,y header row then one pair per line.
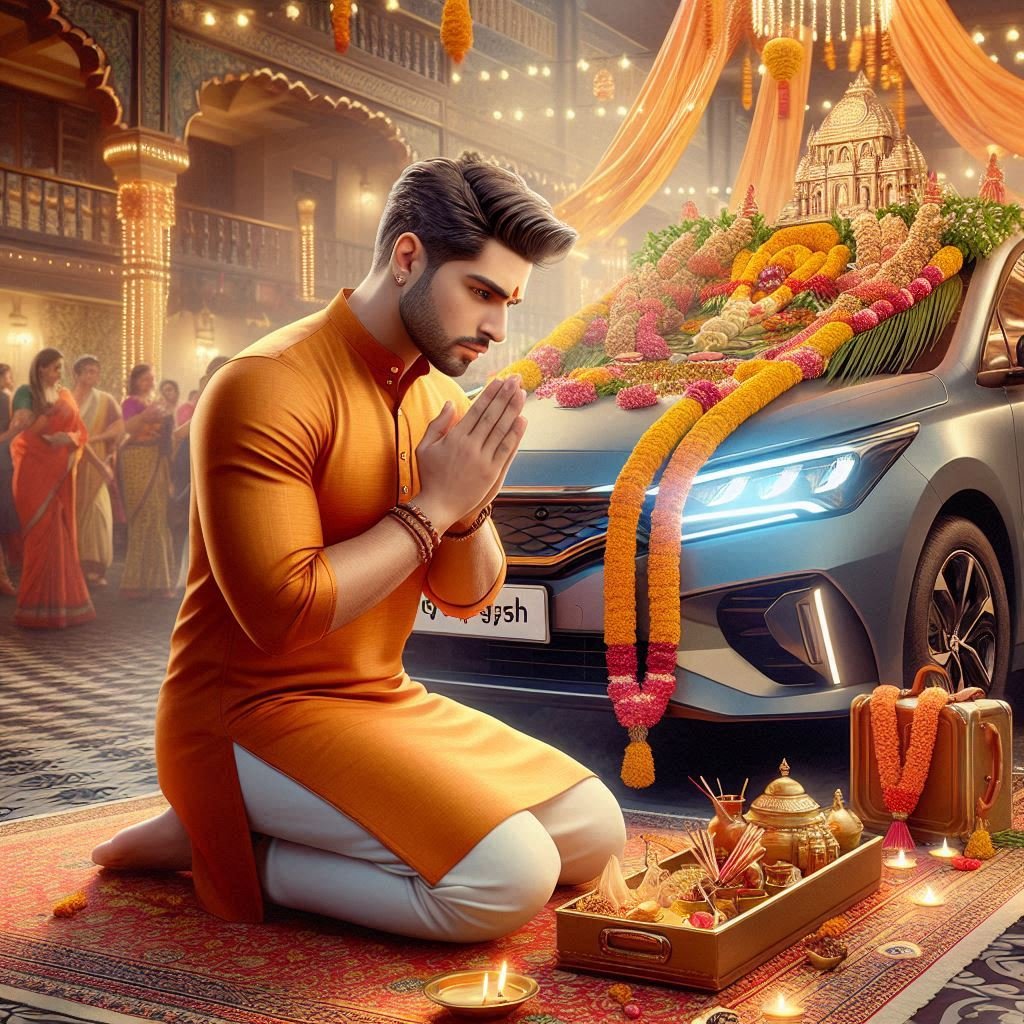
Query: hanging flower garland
x,y
903,783
456,29
341,24
783,57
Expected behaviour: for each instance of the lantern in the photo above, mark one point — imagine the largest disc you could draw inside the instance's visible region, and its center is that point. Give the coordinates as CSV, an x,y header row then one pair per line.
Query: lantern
x,y
604,86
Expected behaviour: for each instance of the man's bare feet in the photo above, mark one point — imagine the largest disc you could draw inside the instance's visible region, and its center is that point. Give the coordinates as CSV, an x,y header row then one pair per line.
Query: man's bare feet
x,y
160,844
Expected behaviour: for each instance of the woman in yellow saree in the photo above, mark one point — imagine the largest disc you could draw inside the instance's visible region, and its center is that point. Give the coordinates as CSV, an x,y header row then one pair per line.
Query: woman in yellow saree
x,y
145,486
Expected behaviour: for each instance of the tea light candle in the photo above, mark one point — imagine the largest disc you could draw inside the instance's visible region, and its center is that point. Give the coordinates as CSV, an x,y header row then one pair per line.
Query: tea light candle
x,y
944,852
927,898
782,1012
901,862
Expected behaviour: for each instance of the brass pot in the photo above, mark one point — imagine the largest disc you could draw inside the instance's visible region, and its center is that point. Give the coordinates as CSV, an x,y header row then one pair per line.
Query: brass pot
x,y
795,827
844,824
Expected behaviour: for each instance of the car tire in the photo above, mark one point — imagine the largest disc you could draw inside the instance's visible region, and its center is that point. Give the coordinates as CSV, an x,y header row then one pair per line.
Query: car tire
x,y
956,555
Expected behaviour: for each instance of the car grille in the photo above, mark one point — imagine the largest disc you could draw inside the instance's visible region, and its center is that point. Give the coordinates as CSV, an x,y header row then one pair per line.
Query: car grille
x,y
576,658
547,533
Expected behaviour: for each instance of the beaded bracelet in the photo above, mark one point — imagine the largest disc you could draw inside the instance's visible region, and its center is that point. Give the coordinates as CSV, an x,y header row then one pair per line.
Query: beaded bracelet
x,y
421,517
415,527
482,517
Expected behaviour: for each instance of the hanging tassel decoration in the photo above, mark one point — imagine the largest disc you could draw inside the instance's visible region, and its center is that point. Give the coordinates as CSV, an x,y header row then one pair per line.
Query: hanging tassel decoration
x,y
747,83
341,24
604,86
992,186
456,29
783,57
638,762
830,55
886,73
870,53
856,52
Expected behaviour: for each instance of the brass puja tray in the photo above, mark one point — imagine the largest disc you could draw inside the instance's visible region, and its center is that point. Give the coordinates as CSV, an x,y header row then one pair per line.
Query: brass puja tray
x,y
714,958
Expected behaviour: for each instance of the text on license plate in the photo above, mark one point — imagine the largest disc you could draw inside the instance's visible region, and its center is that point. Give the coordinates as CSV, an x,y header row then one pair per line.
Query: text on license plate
x,y
518,613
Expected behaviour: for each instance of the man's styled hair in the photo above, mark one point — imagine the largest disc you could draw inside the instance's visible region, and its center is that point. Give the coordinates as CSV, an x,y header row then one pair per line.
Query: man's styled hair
x,y
455,206
82,362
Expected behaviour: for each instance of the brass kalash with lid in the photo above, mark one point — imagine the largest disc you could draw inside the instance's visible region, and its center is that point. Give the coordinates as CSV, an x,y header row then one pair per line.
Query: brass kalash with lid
x,y
795,827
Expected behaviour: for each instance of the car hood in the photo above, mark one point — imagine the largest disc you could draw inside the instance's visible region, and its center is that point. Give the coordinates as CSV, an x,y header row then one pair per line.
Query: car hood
x,y
588,446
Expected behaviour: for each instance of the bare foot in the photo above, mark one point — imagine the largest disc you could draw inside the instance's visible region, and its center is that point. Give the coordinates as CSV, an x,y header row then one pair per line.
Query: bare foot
x,y
160,844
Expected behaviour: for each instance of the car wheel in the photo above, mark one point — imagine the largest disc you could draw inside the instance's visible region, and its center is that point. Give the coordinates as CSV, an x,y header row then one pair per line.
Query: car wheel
x,y
959,615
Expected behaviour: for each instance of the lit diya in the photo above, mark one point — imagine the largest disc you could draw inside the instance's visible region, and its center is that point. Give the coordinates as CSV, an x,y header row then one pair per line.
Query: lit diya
x,y
927,898
481,995
944,852
779,1011
900,862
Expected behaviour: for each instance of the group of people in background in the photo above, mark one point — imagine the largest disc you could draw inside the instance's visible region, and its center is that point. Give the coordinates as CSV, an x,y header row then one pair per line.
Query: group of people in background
x,y
73,461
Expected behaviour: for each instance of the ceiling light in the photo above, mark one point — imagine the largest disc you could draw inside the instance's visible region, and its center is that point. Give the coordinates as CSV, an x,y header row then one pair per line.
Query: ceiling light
x,y
624,62
979,37
456,78
601,111
497,115
969,173
583,64
1012,35
292,11
503,74
994,58
533,70
549,112
1019,56
827,105
392,5
518,115
570,114
209,19
241,19
621,111
485,76
546,71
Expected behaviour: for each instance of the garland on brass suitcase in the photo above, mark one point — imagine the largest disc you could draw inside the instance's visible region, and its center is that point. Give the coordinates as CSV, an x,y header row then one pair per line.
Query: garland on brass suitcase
x,y
902,784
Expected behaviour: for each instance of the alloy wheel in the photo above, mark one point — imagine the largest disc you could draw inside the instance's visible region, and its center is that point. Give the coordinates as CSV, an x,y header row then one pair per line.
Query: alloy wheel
x,y
962,621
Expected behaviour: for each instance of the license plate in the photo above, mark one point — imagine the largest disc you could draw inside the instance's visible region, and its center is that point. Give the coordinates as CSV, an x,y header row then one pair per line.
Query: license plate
x,y
519,613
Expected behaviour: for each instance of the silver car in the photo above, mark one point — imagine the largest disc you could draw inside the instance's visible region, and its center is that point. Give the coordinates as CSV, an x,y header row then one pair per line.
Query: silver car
x,y
844,536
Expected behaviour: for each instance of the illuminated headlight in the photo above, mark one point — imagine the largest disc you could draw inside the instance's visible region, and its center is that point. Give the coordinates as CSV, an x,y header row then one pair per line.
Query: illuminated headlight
x,y
828,480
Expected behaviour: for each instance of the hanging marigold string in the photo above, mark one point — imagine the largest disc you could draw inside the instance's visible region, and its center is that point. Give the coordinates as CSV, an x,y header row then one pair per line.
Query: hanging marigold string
x,y
903,782
341,24
747,83
456,29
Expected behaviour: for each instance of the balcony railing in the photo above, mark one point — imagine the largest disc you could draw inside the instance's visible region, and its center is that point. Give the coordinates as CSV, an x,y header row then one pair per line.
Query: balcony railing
x,y
40,204
412,46
238,243
340,264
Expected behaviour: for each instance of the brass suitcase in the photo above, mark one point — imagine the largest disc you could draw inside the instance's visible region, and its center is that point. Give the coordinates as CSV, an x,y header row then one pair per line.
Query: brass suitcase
x,y
969,777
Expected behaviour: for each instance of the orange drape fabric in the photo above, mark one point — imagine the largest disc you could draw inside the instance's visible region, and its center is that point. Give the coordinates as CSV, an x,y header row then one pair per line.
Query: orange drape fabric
x,y
773,146
660,123
975,100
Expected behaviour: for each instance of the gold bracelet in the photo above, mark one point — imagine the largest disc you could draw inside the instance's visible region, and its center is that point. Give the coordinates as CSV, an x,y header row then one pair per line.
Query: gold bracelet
x,y
482,517
421,517
415,528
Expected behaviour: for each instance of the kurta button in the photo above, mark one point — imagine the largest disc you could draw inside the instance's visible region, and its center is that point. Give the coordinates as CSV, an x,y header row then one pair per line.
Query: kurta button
x,y
394,369
405,490
402,456
390,381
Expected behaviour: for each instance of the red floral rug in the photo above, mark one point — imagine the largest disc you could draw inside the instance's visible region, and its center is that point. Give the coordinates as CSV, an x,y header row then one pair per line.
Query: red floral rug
x,y
143,948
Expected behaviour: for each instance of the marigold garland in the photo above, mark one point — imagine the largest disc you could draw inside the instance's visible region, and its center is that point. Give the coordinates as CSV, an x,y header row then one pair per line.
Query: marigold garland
x,y
341,24
902,783
456,29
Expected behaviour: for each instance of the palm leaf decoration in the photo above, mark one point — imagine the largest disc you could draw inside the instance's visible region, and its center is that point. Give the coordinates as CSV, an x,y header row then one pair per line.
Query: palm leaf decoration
x,y
896,343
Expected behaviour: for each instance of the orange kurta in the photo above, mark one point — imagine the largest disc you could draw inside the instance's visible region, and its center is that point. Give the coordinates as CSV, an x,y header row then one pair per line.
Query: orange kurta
x,y
306,439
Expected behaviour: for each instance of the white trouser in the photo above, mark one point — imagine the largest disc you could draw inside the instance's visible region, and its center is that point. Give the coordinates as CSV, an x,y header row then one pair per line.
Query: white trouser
x,y
323,862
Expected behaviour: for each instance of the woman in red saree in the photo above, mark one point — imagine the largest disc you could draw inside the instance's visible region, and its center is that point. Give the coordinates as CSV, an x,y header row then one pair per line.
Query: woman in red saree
x,y
52,592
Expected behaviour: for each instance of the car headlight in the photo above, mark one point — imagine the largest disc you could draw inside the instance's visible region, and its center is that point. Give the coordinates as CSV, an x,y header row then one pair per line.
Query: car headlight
x,y
827,480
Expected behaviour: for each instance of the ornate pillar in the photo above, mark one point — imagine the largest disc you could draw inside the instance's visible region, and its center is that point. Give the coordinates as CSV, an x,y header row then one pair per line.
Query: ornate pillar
x,y
146,165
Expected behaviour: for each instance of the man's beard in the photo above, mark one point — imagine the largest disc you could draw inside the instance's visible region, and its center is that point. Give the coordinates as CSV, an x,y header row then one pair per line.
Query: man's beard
x,y
423,325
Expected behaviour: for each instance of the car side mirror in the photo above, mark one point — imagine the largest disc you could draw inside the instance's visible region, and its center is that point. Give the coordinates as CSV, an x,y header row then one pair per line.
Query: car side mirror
x,y
1002,377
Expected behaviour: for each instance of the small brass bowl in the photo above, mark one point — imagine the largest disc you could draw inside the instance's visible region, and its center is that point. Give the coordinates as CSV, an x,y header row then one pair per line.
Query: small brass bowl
x,y
459,991
824,963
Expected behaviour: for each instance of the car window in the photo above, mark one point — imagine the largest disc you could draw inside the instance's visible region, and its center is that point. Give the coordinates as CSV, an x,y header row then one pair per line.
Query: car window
x,y
1006,327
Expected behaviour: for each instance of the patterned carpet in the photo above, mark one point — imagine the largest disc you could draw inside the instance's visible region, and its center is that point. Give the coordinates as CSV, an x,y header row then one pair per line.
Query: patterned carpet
x,y
76,729
142,947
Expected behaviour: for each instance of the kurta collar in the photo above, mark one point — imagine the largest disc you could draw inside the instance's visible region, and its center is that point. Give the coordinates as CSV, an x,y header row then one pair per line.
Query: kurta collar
x,y
387,369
